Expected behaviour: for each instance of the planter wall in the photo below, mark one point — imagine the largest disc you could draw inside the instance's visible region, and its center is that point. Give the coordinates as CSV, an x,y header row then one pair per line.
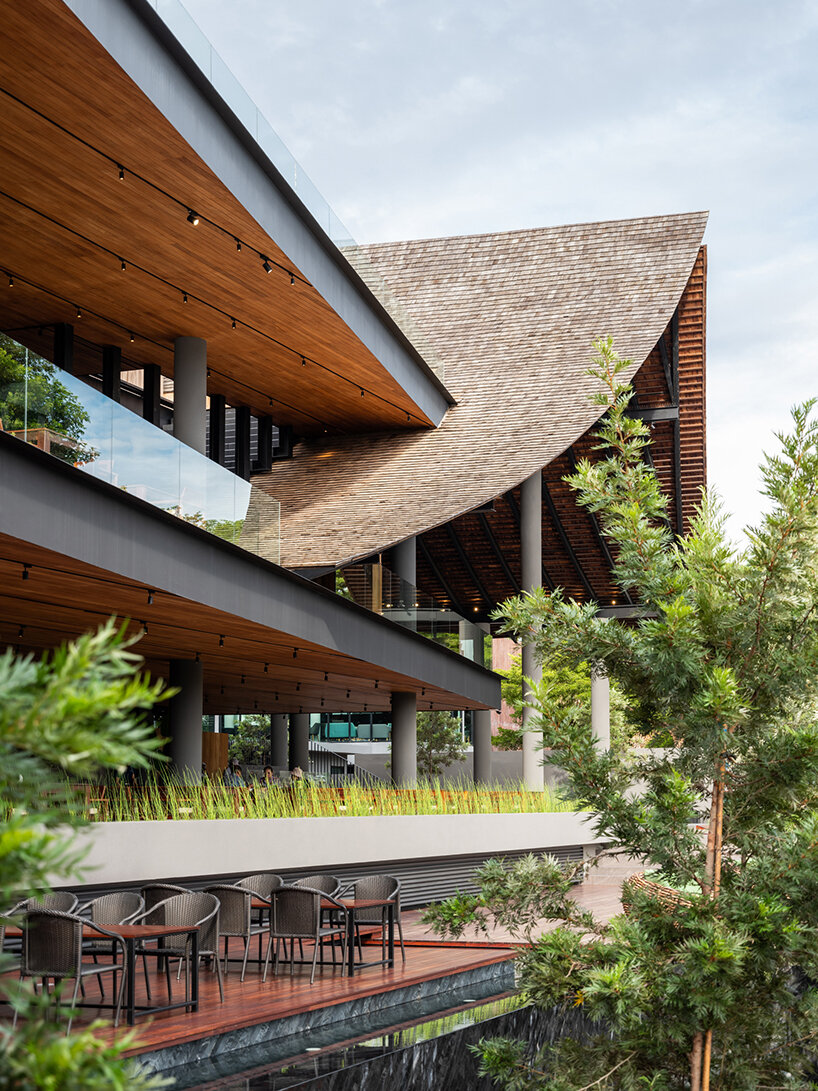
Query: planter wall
x,y
129,852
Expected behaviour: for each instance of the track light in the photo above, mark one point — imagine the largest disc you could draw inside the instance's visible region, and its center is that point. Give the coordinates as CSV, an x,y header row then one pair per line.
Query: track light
x,y
326,677
322,702
222,691
266,667
221,640
150,598
276,696
25,571
131,336
121,173
20,633
266,266
11,282
409,416
292,279
232,323
295,653
144,628
238,246
303,362
122,265
362,391
297,687
192,218
184,297
79,313
347,694
198,658
242,679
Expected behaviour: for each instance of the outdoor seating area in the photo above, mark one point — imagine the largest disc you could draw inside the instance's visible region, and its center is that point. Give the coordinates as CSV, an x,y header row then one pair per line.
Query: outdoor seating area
x,y
168,931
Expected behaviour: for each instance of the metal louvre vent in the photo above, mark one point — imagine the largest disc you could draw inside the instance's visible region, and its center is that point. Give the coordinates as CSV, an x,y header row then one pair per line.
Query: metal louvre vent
x,y
422,881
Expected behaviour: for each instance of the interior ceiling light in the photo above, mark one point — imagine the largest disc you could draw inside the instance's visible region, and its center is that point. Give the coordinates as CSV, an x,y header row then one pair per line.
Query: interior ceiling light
x,y
184,297
122,264
292,279
79,313
131,336
192,218
122,174
11,282
233,323
266,266
238,246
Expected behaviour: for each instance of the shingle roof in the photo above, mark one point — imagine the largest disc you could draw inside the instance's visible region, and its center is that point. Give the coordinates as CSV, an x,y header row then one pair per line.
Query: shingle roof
x,y
512,316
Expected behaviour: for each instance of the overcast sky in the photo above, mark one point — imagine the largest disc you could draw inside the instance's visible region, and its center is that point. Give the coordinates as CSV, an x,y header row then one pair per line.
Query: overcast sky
x,y
419,119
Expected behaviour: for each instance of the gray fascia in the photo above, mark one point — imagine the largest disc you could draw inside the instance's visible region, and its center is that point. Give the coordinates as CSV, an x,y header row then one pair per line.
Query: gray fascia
x,y
141,44
52,505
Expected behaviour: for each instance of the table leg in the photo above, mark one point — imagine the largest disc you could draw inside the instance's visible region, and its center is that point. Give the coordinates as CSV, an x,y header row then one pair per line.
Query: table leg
x,y
130,970
194,984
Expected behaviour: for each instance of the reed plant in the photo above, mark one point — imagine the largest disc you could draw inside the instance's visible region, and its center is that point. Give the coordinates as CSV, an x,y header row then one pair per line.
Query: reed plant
x,y
164,796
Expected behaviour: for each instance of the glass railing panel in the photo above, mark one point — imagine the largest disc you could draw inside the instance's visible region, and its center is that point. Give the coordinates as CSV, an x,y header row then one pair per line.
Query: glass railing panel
x,y
277,151
184,27
233,93
71,420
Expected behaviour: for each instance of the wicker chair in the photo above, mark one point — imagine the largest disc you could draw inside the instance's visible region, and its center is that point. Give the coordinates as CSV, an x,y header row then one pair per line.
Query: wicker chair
x,y
263,884
117,908
235,918
296,915
191,909
63,901
377,886
152,895
53,947
328,884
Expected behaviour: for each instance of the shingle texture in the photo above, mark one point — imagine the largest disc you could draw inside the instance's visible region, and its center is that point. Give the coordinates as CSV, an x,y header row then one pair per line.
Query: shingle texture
x,y
512,317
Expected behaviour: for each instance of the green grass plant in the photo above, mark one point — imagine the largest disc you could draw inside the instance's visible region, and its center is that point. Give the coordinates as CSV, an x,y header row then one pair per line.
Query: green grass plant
x,y
166,797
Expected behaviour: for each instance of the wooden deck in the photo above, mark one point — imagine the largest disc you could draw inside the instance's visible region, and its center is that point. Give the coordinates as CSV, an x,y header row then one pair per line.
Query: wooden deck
x,y
254,1002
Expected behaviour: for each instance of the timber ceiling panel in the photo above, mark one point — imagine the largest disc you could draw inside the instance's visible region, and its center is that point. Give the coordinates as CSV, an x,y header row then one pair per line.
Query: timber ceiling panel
x,y
67,221
513,316
247,666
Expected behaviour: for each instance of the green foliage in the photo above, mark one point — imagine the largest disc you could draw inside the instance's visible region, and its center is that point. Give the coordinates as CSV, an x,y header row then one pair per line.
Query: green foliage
x,y
725,658
250,741
566,687
74,712
50,403
439,743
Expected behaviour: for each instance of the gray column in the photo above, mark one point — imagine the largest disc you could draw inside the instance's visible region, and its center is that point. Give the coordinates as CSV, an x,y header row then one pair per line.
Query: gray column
x,y
279,750
190,392
601,710
404,561
404,739
481,742
531,563
185,746
299,753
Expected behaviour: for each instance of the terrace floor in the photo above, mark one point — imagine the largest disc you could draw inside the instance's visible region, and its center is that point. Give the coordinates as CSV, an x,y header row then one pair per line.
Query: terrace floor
x,y
251,1005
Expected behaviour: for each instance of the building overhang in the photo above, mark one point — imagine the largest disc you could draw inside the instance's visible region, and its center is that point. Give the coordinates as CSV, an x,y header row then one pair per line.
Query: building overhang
x,y
74,551
112,134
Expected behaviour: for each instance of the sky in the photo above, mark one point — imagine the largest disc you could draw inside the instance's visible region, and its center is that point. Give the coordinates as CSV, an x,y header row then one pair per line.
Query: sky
x,y
419,119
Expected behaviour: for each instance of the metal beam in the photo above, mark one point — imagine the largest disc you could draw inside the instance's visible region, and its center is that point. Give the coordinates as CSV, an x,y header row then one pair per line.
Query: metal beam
x,y
111,371
458,609
566,544
152,393
217,428
498,553
458,545
666,367
515,511
653,416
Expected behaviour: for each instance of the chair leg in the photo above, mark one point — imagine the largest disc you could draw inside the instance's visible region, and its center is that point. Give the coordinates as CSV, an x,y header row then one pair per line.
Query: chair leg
x,y
77,984
267,959
246,952
100,980
219,976
167,976
316,945
147,979
400,936
120,994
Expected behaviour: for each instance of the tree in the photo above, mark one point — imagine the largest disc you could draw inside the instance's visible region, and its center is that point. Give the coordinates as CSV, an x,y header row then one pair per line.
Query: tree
x,y
66,716
439,742
38,399
566,686
250,742
721,982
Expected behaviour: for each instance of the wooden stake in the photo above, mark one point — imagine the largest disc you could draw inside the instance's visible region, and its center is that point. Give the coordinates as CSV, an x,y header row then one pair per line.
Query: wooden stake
x,y
696,1063
708,1044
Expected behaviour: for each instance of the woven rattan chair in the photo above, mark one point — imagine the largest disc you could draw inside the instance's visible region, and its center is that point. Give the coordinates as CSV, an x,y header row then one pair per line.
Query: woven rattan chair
x,y
53,947
263,884
152,895
63,901
235,918
377,886
188,910
328,884
116,908
296,914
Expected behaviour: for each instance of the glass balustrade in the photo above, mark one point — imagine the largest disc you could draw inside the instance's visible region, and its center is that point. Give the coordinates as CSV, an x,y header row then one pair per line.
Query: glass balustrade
x,y
70,420
379,589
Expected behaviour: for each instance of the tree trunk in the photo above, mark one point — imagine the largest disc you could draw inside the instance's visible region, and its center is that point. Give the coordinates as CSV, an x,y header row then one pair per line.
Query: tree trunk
x,y
703,1043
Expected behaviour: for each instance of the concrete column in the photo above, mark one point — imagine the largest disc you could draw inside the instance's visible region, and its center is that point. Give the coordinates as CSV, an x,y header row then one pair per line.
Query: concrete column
x,y
531,563
279,751
190,392
299,753
404,739
481,742
601,710
185,746
403,561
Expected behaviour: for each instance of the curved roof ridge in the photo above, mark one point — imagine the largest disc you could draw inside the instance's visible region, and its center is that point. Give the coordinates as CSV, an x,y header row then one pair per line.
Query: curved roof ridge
x,y
513,316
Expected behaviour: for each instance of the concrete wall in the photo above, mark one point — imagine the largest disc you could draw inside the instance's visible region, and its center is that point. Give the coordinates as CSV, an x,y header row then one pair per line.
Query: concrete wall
x,y
124,852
